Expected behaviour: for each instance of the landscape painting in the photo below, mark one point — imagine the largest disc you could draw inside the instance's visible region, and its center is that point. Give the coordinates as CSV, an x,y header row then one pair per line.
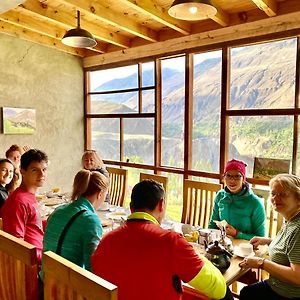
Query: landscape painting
x,y
266,168
18,120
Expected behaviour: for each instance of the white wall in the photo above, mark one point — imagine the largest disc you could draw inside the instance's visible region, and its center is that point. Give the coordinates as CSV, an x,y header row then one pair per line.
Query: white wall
x,y
34,76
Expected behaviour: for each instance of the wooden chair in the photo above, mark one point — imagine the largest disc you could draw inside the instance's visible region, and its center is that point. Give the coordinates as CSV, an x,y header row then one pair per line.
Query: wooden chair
x,y
274,220
159,178
18,269
117,185
198,202
64,280
1,223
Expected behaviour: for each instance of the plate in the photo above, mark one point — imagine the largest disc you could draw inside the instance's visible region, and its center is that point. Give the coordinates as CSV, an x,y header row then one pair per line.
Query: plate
x,y
53,201
237,252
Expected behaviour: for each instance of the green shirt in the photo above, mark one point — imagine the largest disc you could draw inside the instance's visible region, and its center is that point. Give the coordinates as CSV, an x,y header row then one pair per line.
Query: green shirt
x,y
83,236
244,211
285,249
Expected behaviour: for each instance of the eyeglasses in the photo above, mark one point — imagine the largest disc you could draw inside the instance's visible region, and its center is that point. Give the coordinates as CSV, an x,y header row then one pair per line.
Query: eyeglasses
x,y
280,195
233,177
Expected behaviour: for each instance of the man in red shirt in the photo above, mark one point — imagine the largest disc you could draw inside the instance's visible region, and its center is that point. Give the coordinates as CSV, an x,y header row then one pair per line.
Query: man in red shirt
x,y
148,262
20,214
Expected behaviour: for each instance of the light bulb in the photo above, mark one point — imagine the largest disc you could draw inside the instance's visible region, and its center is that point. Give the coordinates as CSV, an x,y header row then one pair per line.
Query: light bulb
x,y
193,9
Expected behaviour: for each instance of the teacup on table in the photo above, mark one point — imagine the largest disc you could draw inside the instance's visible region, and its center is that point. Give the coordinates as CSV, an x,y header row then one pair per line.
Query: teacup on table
x,y
245,249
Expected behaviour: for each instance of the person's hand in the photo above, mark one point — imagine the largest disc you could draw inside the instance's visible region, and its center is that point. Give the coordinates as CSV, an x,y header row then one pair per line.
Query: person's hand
x,y
251,262
230,230
258,240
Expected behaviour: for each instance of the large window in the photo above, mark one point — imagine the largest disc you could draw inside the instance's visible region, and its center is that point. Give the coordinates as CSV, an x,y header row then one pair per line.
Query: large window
x,y
183,116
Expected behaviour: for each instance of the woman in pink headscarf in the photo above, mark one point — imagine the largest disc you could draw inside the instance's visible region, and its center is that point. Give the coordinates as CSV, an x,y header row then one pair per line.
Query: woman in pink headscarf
x,y
241,210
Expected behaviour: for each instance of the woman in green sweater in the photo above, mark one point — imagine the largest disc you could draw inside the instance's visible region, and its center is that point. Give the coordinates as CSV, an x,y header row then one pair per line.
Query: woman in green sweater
x,y
237,204
74,230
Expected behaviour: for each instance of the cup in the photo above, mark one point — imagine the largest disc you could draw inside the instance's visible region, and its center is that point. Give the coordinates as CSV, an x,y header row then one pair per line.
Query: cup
x,y
245,249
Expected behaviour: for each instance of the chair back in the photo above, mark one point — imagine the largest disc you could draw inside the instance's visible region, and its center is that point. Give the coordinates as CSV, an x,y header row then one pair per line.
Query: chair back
x,y
117,185
274,220
198,202
18,269
159,178
64,280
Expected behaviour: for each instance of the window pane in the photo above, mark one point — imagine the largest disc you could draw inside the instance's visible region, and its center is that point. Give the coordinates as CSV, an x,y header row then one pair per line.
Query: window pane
x,y
114,103
114,79
173,93
148,100
148,74
263,75
174,197
106,138
139,140
206,111
267,136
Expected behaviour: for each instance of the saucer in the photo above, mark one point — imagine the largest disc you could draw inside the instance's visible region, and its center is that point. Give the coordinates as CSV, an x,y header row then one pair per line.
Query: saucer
x,y
238,253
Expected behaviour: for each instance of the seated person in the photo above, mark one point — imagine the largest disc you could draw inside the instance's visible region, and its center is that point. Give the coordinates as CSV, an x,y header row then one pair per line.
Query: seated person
x,y
91,161
148,262
6,176
14,154
284,262
74,230
20,213
242,210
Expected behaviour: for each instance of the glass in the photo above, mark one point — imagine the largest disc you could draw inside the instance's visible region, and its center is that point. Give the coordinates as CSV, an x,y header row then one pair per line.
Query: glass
x,y
114,79
263,81
206,111
115,103
173,99
260,136
148,74
139,140
233,177
281,195
106,137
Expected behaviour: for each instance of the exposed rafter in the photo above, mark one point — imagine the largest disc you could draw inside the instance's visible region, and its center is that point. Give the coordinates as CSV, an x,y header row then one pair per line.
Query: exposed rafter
x,y
268,6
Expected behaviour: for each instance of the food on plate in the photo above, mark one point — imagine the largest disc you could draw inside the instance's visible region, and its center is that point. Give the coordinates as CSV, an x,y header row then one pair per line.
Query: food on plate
x,y
192,237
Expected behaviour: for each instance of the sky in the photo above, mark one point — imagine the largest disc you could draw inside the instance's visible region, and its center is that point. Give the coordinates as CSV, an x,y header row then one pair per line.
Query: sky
x,y
100,77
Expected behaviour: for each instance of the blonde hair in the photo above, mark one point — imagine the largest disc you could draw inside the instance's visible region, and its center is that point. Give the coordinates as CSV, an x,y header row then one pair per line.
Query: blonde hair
x,y
97,159
87,183
290,182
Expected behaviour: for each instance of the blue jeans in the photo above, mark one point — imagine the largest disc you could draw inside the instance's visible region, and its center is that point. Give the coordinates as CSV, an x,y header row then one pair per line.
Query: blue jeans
x,y
260,291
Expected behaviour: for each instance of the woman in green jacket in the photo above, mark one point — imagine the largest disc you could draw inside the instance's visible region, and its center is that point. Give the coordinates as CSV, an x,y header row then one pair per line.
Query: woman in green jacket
x,y
242,210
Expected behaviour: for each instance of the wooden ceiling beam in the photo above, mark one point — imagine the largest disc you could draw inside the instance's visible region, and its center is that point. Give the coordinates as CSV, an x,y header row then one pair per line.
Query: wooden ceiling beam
x,y
265,26
221,17
105,14
157,13
66,20
43,40
268,6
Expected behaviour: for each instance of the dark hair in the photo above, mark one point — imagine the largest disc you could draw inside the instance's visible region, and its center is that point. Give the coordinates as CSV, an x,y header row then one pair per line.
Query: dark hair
x,y
32,155
87,183
3,160
13,148
146,194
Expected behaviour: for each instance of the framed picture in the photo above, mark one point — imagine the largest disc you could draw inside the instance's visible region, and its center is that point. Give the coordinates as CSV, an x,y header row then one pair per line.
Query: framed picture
x,y
18,120
266,168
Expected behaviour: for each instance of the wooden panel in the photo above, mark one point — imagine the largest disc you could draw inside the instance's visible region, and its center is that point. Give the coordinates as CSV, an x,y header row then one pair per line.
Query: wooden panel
x,y
117,185
198,201
159,178
63,280
19,270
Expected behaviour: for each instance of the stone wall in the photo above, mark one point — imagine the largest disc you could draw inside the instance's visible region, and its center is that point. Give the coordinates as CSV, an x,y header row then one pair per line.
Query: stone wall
x,y
51,82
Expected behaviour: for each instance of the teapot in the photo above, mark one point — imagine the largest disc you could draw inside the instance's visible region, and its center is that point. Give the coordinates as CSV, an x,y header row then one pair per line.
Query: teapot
x,y
218,255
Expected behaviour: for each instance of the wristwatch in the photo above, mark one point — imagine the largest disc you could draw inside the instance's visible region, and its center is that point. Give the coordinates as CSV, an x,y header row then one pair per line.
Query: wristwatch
x,y
260,263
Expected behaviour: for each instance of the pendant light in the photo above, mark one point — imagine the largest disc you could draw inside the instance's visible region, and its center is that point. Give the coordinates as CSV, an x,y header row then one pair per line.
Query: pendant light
x,y
192,10
78,37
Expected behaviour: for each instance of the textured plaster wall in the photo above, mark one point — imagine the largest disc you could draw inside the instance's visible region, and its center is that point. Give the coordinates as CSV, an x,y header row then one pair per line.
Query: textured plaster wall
x,y
33,76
